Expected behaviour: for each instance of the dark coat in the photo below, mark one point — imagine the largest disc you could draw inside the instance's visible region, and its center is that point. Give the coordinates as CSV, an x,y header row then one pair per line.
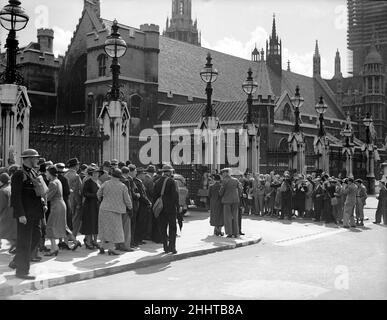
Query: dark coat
x,y
170,197
90,208
216,215
23,198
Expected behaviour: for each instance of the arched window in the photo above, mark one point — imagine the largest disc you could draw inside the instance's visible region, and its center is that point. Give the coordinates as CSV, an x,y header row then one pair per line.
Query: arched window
x,y
135,105
287,112
101,65
283,145
99,106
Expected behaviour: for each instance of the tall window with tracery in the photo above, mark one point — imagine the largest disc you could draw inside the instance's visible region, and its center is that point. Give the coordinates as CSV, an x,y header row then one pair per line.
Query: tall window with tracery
x,y
135,105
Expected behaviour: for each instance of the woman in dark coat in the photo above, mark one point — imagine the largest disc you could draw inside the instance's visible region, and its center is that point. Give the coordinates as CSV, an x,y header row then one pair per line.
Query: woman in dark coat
x,y
216,207
299,198
329,194
90,208
318,198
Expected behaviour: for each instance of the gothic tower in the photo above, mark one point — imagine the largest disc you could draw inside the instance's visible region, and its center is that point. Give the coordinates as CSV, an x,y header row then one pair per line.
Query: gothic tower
x,y
316,62
374,95
274,51
180,26
255,54
338,73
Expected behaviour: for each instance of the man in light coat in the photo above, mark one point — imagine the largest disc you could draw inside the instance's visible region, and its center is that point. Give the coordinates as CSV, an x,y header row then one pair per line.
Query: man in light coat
x,y
230,192
361,197
350,190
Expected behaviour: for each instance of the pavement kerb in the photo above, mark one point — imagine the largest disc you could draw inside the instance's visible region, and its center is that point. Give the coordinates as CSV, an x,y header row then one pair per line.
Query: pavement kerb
x,y
9,290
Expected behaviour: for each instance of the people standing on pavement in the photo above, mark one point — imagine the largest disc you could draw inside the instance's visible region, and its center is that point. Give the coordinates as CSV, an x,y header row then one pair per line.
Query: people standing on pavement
x,y
340,201
75,198
149,185
259,195
8,225
90,208
230,192
361,197
171,209
330,201
318,199
269,196
308,197
299,197
286,190
115,201
29,207
382,204
350,190
66,193
56,227
106,168
83,171
216,207
143,213
126,246
277,198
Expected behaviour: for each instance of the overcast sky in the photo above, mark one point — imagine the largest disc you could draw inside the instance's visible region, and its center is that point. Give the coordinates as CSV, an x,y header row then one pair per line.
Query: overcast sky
x,y
229,26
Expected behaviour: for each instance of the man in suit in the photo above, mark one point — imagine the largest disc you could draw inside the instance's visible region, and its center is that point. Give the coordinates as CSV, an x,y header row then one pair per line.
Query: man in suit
x,y
230,193
171,209
29,209
350,202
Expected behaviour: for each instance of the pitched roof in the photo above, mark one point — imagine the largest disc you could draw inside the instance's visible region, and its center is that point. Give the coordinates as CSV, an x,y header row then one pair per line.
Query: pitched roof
x,y
231,111
180,64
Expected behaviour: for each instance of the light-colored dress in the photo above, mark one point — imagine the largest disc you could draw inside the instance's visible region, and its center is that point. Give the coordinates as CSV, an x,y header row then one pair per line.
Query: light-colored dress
x,y
56,223
115,199
8,225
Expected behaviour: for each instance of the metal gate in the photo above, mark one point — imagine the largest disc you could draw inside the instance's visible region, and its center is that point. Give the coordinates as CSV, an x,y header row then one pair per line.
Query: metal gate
x,y
59,144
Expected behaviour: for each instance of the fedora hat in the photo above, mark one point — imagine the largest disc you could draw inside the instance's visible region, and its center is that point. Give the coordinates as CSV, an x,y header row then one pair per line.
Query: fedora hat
x,y
30,153
117,173
61,167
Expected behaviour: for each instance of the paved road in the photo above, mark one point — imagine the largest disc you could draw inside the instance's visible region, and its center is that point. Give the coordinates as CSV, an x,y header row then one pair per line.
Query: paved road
x,y
333,264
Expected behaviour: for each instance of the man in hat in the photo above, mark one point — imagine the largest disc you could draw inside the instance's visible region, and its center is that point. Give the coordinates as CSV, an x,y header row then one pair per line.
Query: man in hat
x,y
144,206
106,167
361,197
147,180
135,196
230,191
75,198
286,190
350,190
171,209
29,209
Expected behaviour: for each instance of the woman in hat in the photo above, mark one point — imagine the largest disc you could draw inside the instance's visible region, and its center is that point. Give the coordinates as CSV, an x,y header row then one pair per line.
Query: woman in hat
x,y
56,224
90,208
8,225
115,200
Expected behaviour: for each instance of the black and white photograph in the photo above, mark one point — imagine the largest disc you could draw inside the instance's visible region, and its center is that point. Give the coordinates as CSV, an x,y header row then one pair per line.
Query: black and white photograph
x,y
193,155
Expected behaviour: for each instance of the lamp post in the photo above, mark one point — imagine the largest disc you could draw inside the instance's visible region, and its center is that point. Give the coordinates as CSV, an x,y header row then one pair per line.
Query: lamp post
x,y
321,143
115,121
13,18
115,47
369,149
348,148
209,75
210,122
250,87
296,139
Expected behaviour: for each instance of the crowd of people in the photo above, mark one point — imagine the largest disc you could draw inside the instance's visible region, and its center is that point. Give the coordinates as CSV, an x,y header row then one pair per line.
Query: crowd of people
x,y
113,203
319,197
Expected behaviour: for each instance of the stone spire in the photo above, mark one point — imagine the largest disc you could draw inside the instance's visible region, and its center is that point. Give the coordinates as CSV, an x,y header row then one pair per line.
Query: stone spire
x,y
316,61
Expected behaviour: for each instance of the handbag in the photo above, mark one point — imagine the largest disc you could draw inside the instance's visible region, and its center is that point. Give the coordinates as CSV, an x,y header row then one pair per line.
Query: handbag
x,y
158,205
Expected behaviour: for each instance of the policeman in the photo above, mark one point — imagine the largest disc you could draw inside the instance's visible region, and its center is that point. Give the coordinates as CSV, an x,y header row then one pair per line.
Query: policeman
x,y
29,209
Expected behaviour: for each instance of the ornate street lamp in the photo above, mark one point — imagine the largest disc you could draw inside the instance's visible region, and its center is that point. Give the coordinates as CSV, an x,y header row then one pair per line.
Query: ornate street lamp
x,y
321,108
115,47
297,102
209,75
249,87
369,147
13,18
